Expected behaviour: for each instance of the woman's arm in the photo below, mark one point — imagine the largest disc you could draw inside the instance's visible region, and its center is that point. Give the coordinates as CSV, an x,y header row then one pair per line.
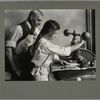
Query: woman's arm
x,y
77,46
62,51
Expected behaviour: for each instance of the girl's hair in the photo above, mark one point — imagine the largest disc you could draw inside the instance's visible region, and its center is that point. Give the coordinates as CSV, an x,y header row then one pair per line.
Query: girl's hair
x,y
49,26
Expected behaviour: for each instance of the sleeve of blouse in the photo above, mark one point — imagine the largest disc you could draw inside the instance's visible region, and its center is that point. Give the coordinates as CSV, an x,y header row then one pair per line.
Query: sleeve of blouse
x,y
55,49
14,35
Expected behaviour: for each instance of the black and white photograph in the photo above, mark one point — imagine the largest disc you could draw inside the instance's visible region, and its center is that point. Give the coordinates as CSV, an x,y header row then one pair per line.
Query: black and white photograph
x,y
50,45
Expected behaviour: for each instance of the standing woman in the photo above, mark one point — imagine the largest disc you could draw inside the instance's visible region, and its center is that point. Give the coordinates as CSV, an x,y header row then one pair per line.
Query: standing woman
x,y
43,51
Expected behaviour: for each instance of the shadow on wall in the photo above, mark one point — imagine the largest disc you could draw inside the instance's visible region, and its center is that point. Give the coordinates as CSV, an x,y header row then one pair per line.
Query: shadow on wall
x,y
72,19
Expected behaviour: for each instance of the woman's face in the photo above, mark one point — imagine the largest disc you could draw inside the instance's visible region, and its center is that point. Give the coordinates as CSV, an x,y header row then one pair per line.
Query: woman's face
x,y
53,35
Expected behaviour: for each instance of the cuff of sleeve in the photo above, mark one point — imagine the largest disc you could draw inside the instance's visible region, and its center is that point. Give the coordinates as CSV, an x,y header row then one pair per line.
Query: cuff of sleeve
x,y
68,51
10,44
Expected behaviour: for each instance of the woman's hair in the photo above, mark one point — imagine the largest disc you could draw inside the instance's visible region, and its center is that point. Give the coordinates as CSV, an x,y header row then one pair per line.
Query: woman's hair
x,y
49,26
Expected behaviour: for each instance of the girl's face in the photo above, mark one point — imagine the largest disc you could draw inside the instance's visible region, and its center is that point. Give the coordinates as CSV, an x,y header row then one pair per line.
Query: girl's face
x,y
53,35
